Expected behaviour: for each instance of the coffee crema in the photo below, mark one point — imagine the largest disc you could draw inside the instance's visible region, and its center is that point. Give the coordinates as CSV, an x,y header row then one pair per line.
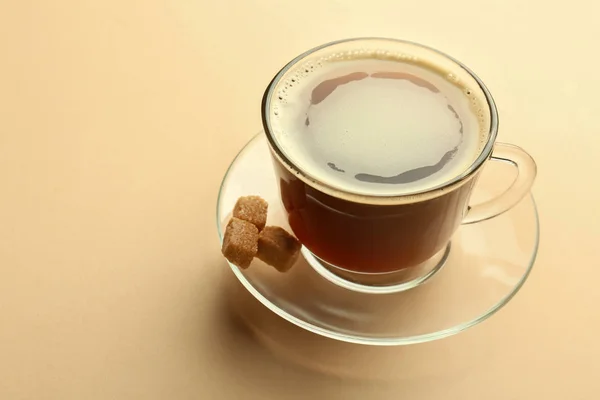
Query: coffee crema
x,y
376,125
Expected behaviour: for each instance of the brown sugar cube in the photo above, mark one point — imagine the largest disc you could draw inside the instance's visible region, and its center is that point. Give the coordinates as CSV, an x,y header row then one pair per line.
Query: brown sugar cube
x,y
252,209
240,243
278,248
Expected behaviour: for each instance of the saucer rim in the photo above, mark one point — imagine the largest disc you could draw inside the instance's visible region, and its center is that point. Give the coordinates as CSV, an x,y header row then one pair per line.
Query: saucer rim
x,y
371,341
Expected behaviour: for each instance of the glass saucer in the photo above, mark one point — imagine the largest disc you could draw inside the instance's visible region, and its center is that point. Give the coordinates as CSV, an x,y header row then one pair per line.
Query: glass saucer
x,y
486,265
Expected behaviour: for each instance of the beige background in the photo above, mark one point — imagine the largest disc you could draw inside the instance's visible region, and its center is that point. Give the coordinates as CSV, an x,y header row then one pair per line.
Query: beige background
x,y
117,122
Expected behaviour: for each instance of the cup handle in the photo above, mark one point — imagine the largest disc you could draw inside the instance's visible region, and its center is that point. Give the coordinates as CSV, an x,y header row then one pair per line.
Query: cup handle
x,y
526,169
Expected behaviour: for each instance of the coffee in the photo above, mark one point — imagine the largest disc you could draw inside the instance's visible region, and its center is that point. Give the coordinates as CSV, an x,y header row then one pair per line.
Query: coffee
x,y
375,125
376,151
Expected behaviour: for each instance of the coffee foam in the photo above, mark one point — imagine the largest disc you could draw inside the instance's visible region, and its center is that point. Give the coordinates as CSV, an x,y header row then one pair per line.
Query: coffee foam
x,y
385,130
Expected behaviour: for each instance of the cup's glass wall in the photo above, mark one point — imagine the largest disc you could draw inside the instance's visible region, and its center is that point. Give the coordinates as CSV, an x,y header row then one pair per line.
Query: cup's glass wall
x,y
375,233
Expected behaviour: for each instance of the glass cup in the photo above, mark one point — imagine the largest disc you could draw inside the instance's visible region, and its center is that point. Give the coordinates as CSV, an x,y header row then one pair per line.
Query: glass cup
x,y
368,234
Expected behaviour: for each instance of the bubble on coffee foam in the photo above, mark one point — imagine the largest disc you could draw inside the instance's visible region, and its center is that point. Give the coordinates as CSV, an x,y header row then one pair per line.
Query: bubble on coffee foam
x,y
451,77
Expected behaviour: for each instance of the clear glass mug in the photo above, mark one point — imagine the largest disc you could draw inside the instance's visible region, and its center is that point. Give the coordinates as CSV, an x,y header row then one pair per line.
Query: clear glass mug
x,y
371,234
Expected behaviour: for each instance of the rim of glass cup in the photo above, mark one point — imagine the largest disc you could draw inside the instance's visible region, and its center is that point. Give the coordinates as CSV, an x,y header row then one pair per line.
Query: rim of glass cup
x,y
372,198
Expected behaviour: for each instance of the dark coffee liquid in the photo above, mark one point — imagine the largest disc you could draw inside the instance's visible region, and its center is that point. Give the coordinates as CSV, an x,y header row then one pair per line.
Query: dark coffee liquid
x,y
370,238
